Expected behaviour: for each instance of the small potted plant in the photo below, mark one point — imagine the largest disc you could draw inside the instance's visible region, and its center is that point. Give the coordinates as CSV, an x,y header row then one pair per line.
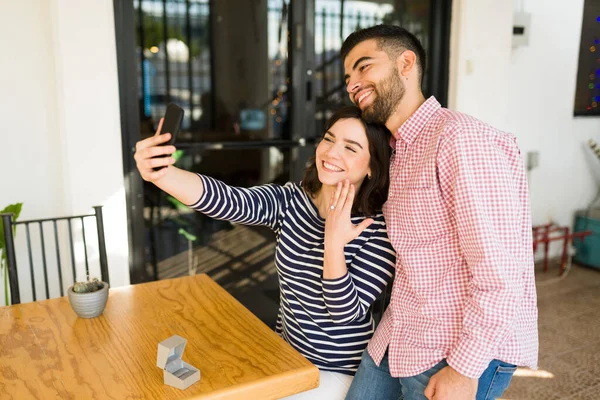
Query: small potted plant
x,y
88,298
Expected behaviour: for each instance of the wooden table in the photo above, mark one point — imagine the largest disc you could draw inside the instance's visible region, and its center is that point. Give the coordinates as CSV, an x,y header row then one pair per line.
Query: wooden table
x,y
47,352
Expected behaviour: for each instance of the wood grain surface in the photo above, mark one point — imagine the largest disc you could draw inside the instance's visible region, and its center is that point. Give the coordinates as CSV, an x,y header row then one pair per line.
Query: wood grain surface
x,y
47,352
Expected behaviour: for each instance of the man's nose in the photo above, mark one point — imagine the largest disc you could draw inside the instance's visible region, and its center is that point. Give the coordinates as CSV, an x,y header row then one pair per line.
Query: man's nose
x,y
352,87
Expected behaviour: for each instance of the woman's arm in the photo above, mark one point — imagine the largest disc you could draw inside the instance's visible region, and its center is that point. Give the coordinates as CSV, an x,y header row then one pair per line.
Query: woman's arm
x,y
259,205
350,287
339,230
349,297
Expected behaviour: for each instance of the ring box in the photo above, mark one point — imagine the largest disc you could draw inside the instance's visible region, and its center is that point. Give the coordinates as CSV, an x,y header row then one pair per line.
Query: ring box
x,y
176,372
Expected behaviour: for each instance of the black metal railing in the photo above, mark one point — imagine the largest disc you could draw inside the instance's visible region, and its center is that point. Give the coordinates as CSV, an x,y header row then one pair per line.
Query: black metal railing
x,y
332,27
188,80
173,44
9,223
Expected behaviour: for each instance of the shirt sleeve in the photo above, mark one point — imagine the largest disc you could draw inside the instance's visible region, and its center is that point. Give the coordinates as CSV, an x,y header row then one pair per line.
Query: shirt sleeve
x,y
259,205
481,175
370,270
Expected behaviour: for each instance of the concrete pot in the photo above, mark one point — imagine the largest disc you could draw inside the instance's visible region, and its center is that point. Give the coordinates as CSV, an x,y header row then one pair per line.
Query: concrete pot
x,y
89,305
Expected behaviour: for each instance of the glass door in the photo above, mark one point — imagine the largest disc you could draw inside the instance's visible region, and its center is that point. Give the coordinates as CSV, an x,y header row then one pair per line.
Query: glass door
x,y
257,80
429,20
228,64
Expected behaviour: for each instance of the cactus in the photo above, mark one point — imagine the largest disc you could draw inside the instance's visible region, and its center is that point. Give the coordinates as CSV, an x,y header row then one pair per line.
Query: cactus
x,y
89,286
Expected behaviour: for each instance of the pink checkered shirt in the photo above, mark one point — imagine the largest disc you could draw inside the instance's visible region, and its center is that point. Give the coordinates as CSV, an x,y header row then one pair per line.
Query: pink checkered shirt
x,y
458,217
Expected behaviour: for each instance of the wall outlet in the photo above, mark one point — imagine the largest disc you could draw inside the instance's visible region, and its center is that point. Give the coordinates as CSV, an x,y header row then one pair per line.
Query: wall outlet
x,y
521,27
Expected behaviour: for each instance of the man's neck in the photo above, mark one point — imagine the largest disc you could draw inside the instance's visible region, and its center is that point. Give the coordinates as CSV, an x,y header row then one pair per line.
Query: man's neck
x,y
407,107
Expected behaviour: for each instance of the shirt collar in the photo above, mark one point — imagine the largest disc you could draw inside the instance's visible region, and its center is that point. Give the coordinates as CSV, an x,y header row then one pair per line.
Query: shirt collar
x,y
413,126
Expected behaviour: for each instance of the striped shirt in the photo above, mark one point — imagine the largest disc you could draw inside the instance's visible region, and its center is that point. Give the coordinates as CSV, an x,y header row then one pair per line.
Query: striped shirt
x,y
329,321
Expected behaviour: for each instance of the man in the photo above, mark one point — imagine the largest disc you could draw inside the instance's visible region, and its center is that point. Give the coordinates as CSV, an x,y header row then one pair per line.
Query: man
x,y
463,310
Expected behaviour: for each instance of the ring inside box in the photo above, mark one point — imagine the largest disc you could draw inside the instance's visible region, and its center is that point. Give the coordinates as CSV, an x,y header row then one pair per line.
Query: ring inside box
x,y
183,373
177,373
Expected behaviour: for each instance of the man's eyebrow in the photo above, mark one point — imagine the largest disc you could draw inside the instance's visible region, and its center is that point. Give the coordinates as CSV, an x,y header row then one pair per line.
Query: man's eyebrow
x,y
365,58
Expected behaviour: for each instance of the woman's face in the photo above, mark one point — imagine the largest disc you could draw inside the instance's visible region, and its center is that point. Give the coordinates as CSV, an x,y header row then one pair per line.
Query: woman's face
x,y
344,154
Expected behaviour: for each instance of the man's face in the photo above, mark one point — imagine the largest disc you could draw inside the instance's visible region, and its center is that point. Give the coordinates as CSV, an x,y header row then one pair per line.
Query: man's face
x,y
372,81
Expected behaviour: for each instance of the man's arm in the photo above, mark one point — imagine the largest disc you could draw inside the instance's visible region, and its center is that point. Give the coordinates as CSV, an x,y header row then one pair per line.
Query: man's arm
x,y
481,176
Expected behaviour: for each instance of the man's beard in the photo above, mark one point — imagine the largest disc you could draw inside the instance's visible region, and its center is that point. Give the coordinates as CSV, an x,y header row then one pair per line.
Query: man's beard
x,y
388,94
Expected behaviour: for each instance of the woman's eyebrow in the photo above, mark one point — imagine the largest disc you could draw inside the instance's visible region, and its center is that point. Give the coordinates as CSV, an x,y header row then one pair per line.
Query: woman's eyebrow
x,y
345,140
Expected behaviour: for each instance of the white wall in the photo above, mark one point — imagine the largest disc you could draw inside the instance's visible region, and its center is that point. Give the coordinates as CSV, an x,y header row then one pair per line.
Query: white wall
x,y
60,115
60,111
480,55
530,92
541,112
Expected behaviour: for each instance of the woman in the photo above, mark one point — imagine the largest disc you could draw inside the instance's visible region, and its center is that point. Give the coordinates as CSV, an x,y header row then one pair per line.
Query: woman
x,y
333,255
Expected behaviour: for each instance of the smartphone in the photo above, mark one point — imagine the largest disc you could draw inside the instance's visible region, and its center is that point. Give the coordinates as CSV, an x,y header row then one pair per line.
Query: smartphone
x,y
171,124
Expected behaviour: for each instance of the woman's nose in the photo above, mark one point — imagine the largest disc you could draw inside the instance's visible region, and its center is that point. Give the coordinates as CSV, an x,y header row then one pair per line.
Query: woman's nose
x,y
333,151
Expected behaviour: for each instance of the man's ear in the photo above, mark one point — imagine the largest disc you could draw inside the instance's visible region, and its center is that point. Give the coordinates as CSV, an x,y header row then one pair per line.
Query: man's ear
x,y
406,62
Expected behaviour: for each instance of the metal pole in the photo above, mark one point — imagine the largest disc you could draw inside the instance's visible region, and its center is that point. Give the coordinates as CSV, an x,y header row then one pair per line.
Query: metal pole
x,y
102,244
188,34
165,39
9,248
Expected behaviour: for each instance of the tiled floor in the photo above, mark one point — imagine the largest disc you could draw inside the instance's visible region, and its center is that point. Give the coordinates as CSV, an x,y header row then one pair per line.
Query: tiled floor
x,y
569,323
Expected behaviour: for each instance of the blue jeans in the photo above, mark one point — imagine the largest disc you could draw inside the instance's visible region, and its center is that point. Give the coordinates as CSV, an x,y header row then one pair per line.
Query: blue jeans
x,y
375,383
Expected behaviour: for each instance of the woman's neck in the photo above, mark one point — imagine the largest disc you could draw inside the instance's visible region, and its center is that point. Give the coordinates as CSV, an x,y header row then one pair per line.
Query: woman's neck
x,y
322,200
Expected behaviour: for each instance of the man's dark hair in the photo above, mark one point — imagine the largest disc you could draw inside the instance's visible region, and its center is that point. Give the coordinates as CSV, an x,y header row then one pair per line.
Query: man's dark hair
x,y
390,38
373,191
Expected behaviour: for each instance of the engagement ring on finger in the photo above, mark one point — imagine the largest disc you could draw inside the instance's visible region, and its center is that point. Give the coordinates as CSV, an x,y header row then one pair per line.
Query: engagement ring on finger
x,y
332,207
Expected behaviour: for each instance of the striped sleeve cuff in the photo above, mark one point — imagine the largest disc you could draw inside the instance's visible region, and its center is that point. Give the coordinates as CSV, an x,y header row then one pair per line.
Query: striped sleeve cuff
x,y
341,298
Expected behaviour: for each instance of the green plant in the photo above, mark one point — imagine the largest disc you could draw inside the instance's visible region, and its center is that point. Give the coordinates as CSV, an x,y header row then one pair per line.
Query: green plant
x,y
190,239
16,210
89,286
